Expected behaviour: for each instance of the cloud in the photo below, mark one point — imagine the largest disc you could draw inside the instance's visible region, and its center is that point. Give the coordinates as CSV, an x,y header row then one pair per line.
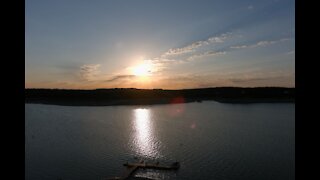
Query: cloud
x,y
250,7
188,53
196,50
119,77
161,64
260,44
191,47
183,50
89,71
206,54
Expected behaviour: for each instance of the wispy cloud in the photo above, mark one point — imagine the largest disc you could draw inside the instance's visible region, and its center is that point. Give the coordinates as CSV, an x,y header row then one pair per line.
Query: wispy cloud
x,y
89,71
206,54
120,77
191,47
92,74
260,44
197,50
189,52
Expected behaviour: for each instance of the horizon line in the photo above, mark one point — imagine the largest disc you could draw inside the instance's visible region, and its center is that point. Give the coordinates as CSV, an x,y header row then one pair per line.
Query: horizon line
x,y
164,89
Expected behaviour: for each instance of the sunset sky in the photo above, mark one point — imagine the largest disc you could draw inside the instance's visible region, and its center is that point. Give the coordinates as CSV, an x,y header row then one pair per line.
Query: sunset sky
x,y
168,44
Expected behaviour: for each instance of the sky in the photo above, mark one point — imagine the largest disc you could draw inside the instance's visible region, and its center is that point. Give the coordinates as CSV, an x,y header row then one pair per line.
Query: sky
x,y
152,44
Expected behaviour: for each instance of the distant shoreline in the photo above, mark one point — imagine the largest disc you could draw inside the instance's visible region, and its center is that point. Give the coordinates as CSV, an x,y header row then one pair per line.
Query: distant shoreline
x,y
117,97
160,102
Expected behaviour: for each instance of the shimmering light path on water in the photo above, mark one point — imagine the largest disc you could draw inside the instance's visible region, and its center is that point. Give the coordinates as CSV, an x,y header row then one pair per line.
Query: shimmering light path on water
x,y
143,138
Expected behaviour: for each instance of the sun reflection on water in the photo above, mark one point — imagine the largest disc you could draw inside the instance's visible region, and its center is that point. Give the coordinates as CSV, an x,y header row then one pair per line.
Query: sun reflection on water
x,y
144,140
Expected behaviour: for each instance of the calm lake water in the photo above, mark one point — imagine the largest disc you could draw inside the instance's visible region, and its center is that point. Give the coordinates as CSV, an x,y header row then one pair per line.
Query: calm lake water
x,y
211,140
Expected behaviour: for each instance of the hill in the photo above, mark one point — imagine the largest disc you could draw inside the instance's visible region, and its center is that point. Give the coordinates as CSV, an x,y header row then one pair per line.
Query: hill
x,y
132,96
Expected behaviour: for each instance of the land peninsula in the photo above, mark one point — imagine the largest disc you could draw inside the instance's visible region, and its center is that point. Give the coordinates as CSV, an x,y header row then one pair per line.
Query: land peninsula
x,y
132,96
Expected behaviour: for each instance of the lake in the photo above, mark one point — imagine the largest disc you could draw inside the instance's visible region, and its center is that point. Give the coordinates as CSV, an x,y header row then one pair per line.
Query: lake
x,y
211,140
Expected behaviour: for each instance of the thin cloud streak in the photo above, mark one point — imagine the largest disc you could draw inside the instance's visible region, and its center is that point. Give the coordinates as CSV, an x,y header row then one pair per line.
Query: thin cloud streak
x,y
191,47
206,54
89,71
260,44
120,77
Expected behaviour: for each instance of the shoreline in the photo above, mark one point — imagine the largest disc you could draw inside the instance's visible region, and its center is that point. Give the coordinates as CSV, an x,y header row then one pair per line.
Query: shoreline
x,y
163,102
131,96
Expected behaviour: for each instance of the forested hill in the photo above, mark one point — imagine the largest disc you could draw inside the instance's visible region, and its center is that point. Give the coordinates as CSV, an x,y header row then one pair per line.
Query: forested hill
x,y
132,96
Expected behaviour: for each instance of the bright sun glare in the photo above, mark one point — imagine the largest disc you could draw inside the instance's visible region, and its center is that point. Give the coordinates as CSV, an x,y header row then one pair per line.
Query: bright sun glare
x,y
142,69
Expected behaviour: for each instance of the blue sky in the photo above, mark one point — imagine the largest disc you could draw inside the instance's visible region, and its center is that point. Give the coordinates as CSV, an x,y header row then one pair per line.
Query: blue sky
x,y
79,44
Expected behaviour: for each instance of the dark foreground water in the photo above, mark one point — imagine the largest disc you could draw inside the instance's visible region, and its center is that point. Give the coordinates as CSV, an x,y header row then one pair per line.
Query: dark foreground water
x,y
211,141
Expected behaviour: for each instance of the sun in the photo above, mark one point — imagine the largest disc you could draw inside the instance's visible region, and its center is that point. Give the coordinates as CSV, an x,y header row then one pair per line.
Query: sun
x,y
142,70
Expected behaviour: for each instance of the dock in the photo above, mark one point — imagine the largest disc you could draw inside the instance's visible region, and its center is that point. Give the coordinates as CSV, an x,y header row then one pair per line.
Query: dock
x,y
132,167
174,166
